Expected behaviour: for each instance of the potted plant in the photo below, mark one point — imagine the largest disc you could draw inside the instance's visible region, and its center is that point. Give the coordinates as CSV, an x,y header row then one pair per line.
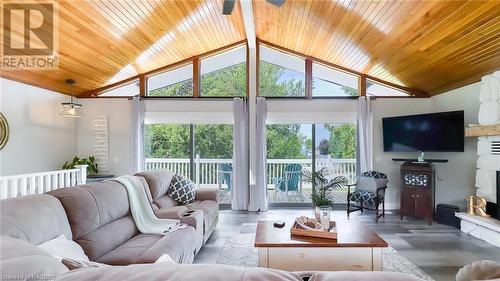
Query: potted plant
x,y
90,161
322,185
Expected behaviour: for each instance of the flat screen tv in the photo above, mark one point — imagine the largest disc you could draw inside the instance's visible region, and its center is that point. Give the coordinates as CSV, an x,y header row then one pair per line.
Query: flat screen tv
x,y
442,131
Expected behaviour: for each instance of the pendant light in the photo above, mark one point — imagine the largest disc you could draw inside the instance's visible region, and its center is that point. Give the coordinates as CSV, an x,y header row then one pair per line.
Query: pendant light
x,y
70,109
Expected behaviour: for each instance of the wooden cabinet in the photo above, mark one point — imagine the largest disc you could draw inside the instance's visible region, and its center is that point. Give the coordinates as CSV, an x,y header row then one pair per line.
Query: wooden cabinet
x,y
417,190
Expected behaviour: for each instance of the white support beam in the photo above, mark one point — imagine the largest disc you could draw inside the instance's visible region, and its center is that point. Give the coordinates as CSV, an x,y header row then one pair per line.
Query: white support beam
x,y
248,19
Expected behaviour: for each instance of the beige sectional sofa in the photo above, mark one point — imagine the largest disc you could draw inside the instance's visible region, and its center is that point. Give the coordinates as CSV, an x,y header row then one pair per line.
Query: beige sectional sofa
x,y
97,217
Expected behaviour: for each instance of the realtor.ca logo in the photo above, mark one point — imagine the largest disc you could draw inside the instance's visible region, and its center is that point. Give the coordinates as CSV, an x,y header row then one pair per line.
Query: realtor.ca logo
x,y
29,35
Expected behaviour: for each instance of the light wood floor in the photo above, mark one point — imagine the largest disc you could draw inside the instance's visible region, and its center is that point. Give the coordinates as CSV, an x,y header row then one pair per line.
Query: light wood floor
x,y
439,250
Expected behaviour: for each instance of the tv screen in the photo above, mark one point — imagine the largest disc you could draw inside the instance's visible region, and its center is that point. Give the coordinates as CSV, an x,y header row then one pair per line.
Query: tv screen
x,y
442,131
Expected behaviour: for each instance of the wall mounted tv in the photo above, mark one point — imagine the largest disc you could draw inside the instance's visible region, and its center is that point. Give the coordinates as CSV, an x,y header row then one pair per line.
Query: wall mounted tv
x,y
443,131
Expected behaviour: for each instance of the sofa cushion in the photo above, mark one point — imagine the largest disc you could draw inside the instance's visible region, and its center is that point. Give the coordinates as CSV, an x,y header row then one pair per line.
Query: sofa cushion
x,y
34,218
362,276
147,248
105,223
158,182
20,258
179,272
210,211
182,189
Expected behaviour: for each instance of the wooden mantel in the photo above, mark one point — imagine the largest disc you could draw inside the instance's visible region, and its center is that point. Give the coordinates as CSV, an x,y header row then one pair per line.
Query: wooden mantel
x,y
482,131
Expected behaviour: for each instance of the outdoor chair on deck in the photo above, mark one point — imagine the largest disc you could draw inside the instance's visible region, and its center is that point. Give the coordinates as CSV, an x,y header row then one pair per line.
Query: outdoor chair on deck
x,y
226,175
291,182
369,193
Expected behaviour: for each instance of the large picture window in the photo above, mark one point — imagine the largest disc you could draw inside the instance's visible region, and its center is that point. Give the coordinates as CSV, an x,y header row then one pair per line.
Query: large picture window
x,y
224,75
280,74
177,82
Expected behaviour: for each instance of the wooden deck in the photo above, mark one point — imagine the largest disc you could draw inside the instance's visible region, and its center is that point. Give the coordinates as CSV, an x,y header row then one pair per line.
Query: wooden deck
x,y
338,196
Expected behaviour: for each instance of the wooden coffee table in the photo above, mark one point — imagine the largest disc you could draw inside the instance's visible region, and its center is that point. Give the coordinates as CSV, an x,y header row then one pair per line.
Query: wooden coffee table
x,y
356,249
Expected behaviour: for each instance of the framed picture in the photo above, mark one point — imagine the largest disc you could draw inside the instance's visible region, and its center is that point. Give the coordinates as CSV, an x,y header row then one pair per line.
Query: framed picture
x,y
4,131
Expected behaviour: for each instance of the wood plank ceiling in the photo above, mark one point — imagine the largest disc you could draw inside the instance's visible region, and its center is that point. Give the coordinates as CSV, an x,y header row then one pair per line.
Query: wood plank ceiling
x,y
105,41
431,46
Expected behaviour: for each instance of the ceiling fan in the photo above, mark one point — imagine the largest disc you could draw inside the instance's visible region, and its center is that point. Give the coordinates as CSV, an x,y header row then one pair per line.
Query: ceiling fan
x,y
228,6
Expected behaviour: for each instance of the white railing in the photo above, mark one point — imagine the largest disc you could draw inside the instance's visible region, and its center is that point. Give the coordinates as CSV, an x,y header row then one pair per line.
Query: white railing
x,y
206,170
38,183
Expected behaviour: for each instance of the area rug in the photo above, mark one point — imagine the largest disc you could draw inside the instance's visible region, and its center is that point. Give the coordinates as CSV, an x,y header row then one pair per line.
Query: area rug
x,y
239,250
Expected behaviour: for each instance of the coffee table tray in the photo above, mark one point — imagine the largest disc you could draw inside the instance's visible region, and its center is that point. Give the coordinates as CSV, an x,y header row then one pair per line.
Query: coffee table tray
x,y
330,234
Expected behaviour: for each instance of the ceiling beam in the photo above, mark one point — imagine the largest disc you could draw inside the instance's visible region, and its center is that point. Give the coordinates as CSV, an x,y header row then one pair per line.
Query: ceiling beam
x,y
248,19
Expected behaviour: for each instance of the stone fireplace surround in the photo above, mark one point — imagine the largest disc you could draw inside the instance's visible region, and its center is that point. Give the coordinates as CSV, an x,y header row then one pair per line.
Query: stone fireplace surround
x,y
488,166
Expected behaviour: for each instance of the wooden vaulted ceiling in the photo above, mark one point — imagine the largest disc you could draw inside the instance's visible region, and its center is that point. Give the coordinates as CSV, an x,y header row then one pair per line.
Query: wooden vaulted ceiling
x,y
430,46
104,41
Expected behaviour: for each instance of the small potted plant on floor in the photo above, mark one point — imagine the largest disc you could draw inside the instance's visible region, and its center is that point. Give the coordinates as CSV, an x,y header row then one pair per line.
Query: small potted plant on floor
x,y
323,184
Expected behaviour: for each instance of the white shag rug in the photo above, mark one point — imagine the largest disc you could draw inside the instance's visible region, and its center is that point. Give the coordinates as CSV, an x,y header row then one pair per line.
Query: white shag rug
x,y
239,251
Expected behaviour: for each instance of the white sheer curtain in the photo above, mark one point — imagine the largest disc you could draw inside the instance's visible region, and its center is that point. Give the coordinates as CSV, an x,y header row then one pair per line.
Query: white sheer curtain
x,y
239,192
365,135
137,134
260,202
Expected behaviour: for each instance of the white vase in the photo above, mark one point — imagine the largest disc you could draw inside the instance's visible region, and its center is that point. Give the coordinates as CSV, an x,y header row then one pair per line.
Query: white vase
x,y
317,212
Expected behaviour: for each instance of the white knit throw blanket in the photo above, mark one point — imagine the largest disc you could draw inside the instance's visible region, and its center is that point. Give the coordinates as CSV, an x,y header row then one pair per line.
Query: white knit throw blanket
x,y
145,219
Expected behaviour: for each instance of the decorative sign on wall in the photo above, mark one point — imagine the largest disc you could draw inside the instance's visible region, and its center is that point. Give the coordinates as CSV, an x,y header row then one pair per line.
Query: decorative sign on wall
x,y
4,131
101,143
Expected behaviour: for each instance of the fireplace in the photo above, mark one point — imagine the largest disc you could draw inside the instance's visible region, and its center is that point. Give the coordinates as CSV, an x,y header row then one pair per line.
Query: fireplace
x,y
493,209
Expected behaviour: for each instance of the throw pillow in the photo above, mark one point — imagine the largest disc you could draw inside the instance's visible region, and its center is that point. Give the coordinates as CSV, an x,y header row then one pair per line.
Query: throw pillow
x,y
182,189
63,248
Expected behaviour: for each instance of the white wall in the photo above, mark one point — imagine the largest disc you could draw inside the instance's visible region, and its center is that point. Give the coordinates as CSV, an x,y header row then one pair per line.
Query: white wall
x,y
40,139
455,179
119,135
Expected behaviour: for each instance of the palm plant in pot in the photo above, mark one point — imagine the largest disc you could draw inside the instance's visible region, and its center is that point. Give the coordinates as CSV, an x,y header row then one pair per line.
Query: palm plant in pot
x,y
323,184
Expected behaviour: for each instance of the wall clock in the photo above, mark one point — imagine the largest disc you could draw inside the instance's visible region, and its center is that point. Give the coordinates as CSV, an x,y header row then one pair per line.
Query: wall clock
x,y
4,131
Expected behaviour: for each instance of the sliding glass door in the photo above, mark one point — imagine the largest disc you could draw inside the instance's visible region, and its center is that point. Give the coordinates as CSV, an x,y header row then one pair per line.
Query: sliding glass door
x,y
213,158
289,152
335,153
201,152
168,146
293,149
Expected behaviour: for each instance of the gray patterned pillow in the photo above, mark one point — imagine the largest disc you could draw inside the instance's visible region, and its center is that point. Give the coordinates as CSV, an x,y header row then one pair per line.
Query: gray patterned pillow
x,y
182,189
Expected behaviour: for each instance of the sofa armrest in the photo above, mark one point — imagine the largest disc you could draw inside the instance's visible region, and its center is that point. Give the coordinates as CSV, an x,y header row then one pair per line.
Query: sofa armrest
x,y
203,194
194,219
175,213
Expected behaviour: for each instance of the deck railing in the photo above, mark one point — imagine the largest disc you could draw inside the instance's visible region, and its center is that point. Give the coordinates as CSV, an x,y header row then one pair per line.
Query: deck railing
x,y
38,183
207,170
